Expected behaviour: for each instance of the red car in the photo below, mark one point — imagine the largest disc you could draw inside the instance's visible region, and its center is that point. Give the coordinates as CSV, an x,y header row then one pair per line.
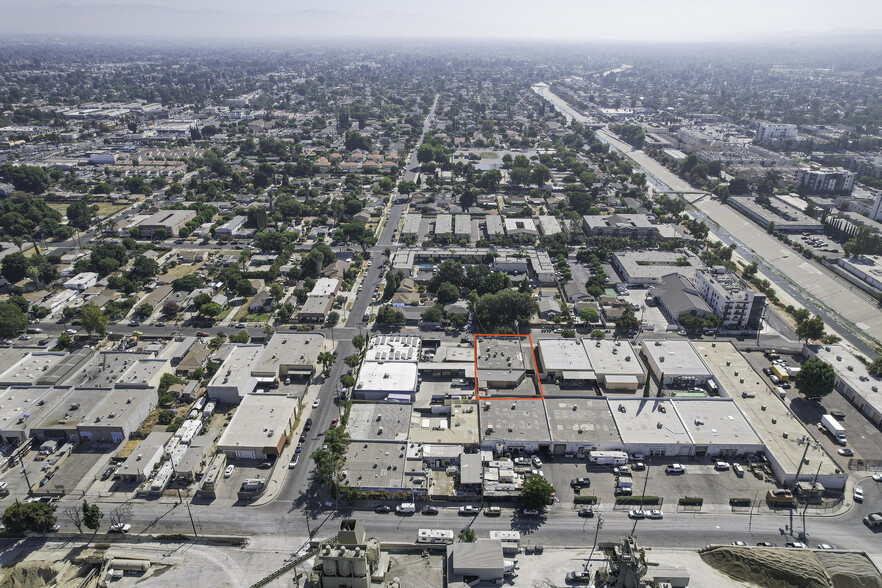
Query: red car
x,y
202,334
334,421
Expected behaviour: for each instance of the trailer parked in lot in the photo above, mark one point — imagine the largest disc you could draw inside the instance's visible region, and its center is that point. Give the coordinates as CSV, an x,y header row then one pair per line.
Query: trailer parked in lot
x,y
608,457
832,426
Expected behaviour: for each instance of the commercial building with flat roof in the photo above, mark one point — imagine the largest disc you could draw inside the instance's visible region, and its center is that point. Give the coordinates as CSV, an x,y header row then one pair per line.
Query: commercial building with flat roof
x,y
289,355
325,287
852,379
233,379
379,421
648,268
21,408
503,362
259,427
615,364
143,373
785,217
515,227
717,427
443,224
650,426
482,559
633,226
458,426
117,415
564,360
105,368
866,268
31,370
580,425
494,226
462,224
393,348
144,458
676,362
315,309
549,225
514,425
170,220
226,230
61,420
380,466
390,379
783,435
82,281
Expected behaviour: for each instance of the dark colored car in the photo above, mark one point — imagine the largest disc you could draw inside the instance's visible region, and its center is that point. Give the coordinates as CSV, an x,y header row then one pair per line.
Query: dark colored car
x,y
265,465
383,509
429,510
308,424
586,512
303,437
580,482
107,473
765,544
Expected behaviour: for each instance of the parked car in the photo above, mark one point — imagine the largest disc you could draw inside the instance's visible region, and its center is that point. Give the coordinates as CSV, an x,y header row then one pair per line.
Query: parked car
x,y
468,510
639,466
858,494
722,466
202,333
578,577
637,514
299,448
586,512
796,545
302,437
382,509
492,511
739,544
739,471
429,510
580,482
622,469
315,403
119,528
293,463
264,466
766,544
655,514
241,325
877,477
826,546
229,471
531,512
536,461
109,472
675,468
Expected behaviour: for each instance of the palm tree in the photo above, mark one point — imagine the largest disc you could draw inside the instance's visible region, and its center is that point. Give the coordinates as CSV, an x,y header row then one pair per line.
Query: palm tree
x,y
244,256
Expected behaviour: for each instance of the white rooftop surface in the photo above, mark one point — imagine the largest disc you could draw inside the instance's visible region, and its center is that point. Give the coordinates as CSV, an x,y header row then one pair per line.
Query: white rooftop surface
x,y
388,376
21,408
519,224
142,372
514,420
761,406
237,366
563,354
715,421
411,223
31,368
379,421
680,358
586,420
376,465
393,348
460,426
118,403
105,368
648,420
463,224
256,416
68,412
443,224
613,358
324,287
494,225
290,349
857,377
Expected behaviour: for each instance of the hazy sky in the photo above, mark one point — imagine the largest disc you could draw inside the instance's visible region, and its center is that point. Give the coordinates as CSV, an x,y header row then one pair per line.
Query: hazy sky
x,y
633,20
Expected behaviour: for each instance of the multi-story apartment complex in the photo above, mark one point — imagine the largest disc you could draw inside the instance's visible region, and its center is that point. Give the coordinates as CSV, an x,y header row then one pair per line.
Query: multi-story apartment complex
x,y
825,179
767,132
730,298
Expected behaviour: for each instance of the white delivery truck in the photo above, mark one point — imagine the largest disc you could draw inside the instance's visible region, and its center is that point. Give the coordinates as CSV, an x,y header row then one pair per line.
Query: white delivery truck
x,y
834,428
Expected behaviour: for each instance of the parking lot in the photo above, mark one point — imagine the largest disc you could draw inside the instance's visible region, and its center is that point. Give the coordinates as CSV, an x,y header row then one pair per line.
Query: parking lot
x,y
699,479
243,470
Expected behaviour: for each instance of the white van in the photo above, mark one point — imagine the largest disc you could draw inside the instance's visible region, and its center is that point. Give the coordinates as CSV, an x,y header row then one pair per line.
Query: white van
x,y
406,508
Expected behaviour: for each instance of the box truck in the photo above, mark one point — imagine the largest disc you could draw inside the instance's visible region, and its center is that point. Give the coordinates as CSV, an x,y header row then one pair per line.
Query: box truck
x,y
834,428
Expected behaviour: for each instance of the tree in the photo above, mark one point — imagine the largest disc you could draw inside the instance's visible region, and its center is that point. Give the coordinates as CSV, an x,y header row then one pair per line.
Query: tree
x,y
277,291
433,314
502,309
93,320
540,174
144,310
389,316
628,321
211,309
171,309
15,267
74,514
79,215
187,283
92,516
240,337
589,314
810,329
875,367
468,535
37,517
326,359
359,342
815,379
536,492
201,298
347,381
12,319
447,293
120,514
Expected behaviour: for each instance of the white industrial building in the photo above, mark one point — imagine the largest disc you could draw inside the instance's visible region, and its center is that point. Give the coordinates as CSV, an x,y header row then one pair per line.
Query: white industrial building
x,y
615,364
82,281
259,427
233,379
852,379
675,362
767,132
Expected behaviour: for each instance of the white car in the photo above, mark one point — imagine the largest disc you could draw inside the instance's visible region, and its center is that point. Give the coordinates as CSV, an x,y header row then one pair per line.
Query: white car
x,y
675,468
825,546
315,403
623,469
229,471
468,510
722,466
293,462
846,451
877,477
119,528
858,494
655,514
637,514
536,461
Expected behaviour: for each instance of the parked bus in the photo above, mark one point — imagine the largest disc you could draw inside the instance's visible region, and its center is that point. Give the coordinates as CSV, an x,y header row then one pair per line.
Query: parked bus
x,y
435,536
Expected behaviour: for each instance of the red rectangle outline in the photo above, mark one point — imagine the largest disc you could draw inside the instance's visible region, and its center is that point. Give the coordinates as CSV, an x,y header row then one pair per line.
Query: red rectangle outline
x,y
535,369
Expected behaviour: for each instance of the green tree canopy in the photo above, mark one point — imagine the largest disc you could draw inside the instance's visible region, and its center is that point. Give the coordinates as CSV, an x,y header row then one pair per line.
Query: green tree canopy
x,y
536,492
447,293
12,319
37,517
815,379
93,320
810,329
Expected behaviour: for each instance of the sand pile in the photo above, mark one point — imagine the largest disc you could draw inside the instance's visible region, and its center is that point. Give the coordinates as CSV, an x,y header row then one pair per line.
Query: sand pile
x,y
850,570
770,568
36,574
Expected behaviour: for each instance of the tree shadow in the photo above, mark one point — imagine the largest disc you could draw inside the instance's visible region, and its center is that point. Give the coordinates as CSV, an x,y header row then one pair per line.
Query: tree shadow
x,y
808,411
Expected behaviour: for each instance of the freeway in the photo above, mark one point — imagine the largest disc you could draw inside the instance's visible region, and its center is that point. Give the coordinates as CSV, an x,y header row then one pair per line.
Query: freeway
x,y
850,312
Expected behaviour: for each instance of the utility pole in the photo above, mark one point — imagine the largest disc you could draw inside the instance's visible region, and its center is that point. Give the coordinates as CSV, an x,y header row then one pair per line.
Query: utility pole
x,y
306,516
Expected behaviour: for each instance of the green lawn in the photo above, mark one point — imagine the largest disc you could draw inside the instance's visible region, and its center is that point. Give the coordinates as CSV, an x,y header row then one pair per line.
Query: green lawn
x,y
489,155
